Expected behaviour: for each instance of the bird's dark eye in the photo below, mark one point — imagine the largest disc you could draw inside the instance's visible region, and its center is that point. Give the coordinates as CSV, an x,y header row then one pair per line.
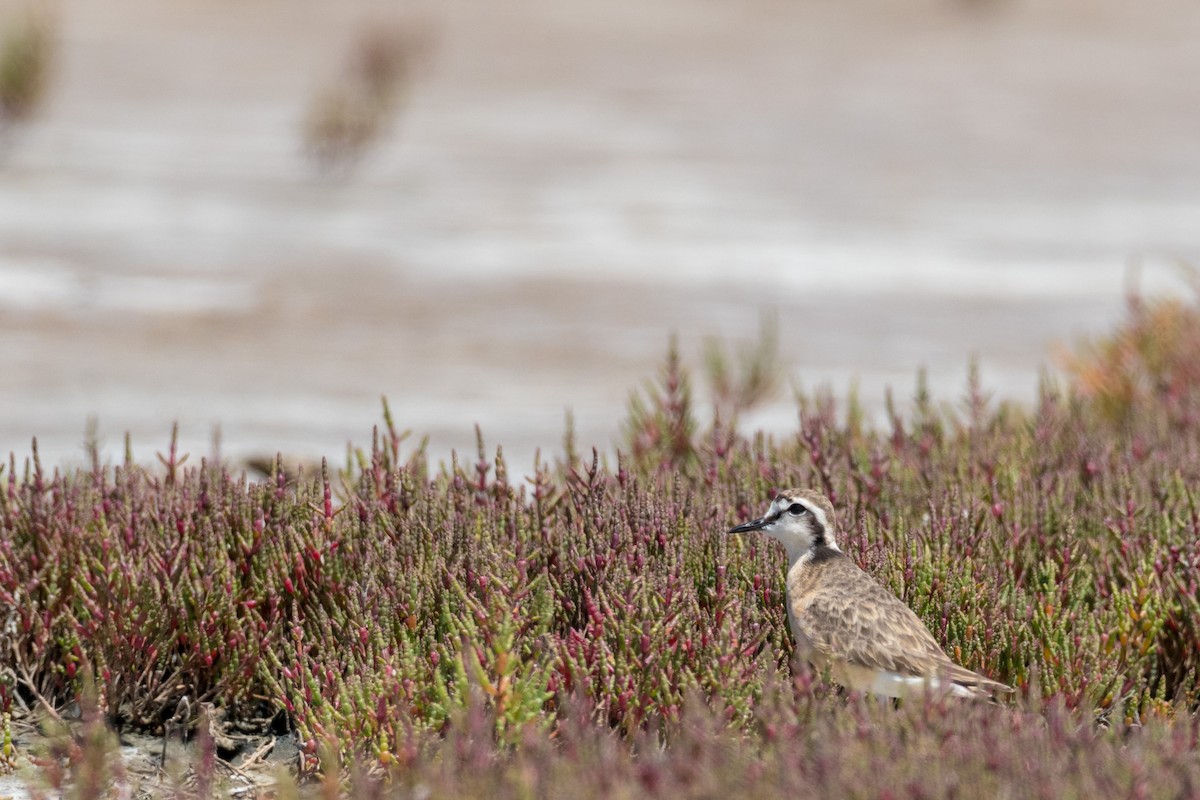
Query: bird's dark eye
x,y
796,509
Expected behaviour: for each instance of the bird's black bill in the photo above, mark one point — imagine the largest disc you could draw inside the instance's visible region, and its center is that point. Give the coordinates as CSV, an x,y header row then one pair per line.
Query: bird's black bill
x,y
753,525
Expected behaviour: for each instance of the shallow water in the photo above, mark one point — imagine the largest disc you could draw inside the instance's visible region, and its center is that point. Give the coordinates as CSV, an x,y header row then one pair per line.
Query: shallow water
x,y
569,183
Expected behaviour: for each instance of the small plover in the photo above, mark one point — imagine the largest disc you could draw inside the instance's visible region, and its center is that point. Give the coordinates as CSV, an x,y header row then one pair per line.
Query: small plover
x,y
845,622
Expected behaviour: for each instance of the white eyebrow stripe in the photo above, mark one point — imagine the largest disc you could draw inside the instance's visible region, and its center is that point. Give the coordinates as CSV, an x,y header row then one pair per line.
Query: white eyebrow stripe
x,y
782,503
818,513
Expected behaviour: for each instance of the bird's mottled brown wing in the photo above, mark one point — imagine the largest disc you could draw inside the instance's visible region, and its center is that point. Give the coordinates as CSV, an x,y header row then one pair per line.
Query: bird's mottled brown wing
x,y
847,617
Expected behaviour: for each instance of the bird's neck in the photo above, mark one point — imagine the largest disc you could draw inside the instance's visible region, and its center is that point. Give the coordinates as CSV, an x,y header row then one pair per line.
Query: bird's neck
x,y
812,555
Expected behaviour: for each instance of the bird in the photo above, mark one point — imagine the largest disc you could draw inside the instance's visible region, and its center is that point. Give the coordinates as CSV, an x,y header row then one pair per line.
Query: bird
x,y
846,624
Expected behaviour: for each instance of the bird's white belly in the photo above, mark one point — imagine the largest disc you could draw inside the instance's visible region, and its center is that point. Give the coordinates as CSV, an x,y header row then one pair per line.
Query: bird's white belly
x,y
893,684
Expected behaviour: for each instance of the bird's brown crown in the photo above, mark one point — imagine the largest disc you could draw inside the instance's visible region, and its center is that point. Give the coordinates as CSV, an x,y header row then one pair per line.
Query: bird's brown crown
x,y
812,498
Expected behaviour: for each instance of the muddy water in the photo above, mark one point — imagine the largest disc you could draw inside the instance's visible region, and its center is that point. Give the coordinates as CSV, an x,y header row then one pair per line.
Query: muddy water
x,y
904,184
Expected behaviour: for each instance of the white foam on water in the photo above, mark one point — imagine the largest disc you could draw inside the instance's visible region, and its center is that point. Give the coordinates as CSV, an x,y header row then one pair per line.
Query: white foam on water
x,y
34,284
47,285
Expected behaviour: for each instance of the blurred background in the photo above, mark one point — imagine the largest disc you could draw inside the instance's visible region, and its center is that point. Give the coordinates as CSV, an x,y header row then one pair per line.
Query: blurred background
x,y
263,215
